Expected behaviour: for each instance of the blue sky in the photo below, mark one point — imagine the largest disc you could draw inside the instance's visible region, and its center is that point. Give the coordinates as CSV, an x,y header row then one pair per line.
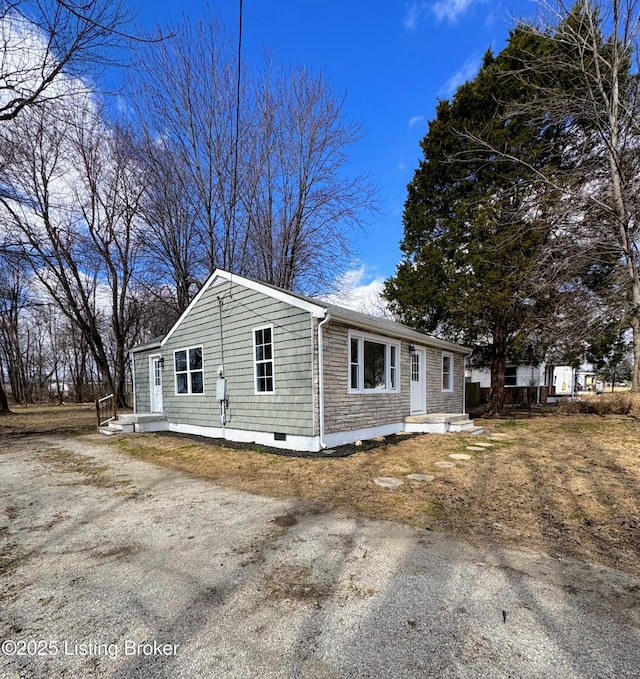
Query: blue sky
x,y
392,60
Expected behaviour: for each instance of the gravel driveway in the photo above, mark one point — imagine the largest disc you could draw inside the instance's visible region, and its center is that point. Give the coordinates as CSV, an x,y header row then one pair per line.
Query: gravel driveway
x,y
112,567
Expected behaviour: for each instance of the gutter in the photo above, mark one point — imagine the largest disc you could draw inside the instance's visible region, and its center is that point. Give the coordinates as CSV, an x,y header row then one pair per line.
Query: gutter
x,y
326,319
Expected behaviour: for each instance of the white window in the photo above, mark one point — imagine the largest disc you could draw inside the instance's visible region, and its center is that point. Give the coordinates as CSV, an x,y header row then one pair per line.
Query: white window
x,y
393,367
263,359
354,363
188,369
373,364
447,371
157,373
415,367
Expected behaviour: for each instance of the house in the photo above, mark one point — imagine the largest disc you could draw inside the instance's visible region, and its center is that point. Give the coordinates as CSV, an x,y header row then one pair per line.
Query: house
x,y
250,362
537,383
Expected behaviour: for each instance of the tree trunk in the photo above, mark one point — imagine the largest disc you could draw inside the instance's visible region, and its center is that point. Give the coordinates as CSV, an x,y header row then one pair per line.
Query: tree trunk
x,y
498,371
635,376
121,391
4,403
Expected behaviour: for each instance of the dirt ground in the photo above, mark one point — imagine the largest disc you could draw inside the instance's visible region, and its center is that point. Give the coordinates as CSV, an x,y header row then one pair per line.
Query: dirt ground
x,y
112,567
561,484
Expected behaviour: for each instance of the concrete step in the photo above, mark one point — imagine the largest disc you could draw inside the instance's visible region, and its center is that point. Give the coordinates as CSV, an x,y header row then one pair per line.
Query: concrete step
x,y
143,422
463,425
437,418
441,423
116,427
123,427
139,418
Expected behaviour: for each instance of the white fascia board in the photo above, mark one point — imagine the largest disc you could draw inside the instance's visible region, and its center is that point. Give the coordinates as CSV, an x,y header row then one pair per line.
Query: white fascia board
x,y
218,276
316,310
187,311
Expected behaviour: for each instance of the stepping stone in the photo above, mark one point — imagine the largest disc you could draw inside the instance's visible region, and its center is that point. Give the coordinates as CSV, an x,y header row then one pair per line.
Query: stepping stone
x,y
482,444
388,482
476,448
445,464
459,456
498,436
420,477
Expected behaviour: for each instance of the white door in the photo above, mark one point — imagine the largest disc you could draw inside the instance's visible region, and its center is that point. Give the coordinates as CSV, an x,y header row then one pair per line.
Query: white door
x,y
418,382
155,381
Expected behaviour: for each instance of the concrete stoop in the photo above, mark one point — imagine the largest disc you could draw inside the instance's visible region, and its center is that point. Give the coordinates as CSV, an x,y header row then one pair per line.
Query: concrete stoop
x,y
441,423
138,422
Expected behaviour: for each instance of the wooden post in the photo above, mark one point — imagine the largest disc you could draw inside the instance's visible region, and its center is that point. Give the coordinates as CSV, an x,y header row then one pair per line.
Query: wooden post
x,y
98,413
114,402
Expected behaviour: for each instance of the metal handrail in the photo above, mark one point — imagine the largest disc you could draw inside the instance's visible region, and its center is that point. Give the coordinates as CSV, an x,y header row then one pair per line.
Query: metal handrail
x,y
106,409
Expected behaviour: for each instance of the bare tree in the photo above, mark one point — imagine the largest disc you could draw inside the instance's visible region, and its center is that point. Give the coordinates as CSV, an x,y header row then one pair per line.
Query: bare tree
x,y
14,298
171,257
109,200
583,83
72,193
79,362
45,41
186,98
266,170
300,206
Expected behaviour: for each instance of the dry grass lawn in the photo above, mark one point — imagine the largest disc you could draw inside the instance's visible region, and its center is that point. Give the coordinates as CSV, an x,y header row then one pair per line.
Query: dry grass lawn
x,y
566,484
48,419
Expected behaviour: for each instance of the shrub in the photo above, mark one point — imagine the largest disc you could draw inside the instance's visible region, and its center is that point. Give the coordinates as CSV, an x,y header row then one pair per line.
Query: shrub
x,y
605,404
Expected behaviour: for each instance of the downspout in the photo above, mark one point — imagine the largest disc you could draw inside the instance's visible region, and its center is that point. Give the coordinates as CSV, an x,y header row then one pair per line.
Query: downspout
x,y
464,384
326,319
133,380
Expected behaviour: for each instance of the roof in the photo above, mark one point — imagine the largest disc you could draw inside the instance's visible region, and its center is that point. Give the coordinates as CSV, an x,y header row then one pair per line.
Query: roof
x,y
318,309
154,343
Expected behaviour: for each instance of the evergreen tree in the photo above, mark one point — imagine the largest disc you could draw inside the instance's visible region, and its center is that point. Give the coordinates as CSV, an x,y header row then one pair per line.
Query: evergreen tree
x,y
476,250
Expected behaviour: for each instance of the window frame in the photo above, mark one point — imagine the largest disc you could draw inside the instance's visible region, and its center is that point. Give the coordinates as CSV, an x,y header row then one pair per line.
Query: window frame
x,y
514,375
449,388
188,372
271,360
360,338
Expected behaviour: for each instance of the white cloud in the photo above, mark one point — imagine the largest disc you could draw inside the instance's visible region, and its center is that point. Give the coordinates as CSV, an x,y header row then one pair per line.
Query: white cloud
x,y
467,72
360,291
450,10
415,120
444,10
413,11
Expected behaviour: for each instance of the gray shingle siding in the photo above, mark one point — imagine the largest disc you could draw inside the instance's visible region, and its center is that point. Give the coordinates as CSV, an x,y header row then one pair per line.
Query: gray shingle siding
x,y
439,401
345,411
141,367
290,409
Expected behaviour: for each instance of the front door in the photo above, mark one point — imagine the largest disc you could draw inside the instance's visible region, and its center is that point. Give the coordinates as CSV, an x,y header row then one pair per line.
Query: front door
x,y
418,382
155,378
